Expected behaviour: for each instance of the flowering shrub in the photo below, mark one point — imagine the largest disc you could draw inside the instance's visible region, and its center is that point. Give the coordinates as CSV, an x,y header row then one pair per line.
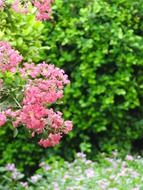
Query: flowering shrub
x,y
26,94
36,86
81,174
43,7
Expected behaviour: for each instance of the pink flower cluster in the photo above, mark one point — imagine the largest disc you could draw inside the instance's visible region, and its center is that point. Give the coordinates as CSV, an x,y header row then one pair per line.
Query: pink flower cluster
x,y
1,4
46,83
43,7
52,140
2,119
44,86
18,7
9,58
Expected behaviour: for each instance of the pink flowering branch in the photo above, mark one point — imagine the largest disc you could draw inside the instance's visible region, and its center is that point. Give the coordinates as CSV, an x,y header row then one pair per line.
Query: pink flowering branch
x,y
30,100
27,91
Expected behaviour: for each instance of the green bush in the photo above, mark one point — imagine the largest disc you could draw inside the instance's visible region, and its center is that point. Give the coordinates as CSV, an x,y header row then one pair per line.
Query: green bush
x,y
100,45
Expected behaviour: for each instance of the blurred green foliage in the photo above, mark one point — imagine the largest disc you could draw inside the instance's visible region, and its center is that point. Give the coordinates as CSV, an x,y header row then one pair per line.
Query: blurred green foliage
x,y
100,45
24,33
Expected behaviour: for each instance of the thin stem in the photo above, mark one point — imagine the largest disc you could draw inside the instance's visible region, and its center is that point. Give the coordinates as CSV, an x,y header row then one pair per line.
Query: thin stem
x,y
17,102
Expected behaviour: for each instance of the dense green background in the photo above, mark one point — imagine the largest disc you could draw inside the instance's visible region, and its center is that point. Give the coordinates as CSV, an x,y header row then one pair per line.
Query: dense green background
x,y
100,45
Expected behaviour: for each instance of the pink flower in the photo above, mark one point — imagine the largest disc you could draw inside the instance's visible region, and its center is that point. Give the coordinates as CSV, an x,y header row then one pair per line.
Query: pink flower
x,y
24,184
2,119
52,140
68,126
32,116
10,167
43,9
9,58
1,4
18,7
89,173
129,157
35,178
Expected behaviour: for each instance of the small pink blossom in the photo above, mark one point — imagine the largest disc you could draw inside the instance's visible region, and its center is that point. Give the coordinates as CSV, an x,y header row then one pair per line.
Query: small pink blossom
x,y
35,178
18,7
9,58
52,140
32,117
1,4
2,119
43,9
24,184
129,157
10,167
89,173
68,126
